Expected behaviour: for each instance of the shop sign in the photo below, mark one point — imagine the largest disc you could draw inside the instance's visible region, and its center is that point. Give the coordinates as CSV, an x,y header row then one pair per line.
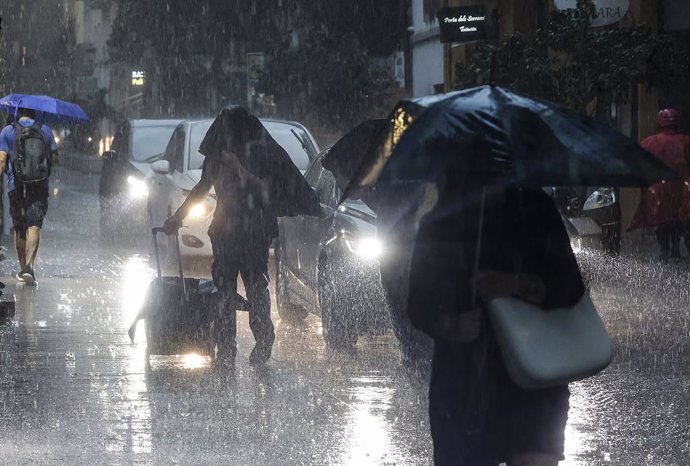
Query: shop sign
x,y
607,11
463,24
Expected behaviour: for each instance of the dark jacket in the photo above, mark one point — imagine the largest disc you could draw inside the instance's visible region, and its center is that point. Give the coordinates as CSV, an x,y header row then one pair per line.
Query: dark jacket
x,y
524,234
254,178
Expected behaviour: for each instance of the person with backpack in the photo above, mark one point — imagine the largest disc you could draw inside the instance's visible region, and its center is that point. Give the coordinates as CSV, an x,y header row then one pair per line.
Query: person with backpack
x,y
27,152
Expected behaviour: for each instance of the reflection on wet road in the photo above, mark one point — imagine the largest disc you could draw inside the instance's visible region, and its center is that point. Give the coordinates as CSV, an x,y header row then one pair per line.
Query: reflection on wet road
x,y
74,390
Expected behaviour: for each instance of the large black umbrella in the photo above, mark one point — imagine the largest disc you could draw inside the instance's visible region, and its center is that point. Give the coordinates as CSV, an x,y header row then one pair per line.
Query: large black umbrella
x,y
238,131
505,138
346,156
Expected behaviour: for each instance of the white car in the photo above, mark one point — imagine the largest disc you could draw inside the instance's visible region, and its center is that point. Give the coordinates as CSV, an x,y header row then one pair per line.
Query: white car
x,y
174,176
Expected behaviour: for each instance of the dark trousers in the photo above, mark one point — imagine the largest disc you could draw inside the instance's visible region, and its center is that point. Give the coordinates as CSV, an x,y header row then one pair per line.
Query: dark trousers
x,y
246,256
668,236
479,417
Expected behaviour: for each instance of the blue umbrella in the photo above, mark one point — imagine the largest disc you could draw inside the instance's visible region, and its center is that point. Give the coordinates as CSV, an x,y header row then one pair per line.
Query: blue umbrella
x,y
51,110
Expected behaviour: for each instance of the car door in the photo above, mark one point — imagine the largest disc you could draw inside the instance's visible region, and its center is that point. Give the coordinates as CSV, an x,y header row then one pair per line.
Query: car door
x,y
162,189
292,228
316,230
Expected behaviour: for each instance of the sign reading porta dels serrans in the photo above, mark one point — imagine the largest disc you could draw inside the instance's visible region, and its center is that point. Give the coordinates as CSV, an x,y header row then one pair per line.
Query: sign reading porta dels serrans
x,y
607,11
464,23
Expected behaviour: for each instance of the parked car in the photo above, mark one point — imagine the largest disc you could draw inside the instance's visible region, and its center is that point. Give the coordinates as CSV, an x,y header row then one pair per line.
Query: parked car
x,y
329,265
122,190
592,216
174,176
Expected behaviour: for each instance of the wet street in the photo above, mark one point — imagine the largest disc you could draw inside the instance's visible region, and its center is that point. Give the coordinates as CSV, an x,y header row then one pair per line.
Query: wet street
x,y
74,390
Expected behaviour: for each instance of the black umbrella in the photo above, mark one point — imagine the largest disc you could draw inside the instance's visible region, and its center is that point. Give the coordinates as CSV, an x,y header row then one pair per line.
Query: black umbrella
x,y
238,131
504,138
347,154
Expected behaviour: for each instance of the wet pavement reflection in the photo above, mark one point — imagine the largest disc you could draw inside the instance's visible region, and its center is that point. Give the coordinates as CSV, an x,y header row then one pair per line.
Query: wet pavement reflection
x,y
73,389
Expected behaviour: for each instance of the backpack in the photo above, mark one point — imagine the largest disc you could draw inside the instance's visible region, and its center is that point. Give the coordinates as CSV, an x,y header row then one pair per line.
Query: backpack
x,y
32,154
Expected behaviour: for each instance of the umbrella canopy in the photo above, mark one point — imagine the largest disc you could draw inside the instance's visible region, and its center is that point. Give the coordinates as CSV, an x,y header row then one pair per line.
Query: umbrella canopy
x,y
50,109
240,132
504,138
347,154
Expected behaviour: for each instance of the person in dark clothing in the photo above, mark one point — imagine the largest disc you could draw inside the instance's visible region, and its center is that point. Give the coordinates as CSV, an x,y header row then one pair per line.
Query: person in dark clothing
x,y
478,415
255,182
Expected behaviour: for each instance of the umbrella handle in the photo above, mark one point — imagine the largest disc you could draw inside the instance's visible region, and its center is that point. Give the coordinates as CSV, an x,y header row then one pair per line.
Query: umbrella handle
x,y
480,231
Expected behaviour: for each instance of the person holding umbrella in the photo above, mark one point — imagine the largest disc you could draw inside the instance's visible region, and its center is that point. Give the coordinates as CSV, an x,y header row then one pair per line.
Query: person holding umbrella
x,y
486,230
27,152
255,182
28,189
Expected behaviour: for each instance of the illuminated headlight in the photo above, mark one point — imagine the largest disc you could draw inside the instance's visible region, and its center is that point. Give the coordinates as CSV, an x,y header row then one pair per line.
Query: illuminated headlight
x,y
137,188
368,248
200,210
602,197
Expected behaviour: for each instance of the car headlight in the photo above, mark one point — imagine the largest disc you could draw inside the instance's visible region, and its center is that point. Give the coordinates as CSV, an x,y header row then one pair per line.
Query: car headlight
x,y
137,188
368,247
200,210
602,197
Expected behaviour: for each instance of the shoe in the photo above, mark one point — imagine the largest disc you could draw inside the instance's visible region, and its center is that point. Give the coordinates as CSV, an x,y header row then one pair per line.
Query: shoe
x,y
260,355
29,277
19,277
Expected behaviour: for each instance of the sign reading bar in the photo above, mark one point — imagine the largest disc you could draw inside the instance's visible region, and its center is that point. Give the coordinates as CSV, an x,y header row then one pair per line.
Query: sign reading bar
x,y
464,23
137,78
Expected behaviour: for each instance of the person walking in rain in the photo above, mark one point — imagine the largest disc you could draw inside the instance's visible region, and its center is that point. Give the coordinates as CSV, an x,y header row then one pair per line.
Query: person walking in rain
x,y
29,145
255,182
478,415
665,206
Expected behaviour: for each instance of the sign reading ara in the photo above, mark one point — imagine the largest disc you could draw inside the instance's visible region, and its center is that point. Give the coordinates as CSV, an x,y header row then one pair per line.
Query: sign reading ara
x,y
607,11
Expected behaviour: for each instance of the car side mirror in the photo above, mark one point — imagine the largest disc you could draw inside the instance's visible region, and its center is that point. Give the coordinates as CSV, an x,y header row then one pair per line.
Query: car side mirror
x,y
161,167
110,155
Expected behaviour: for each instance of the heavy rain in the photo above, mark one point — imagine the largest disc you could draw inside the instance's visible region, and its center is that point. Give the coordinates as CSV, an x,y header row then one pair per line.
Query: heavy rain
x,y
402,232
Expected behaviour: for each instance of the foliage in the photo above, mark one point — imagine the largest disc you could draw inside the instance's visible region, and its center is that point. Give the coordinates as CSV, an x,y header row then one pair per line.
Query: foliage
x,y
328,78
584,68
195,51
175,45
332,74
35,63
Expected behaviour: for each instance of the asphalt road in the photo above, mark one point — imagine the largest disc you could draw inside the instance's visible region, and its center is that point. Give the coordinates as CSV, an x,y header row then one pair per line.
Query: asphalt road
x,y
74,390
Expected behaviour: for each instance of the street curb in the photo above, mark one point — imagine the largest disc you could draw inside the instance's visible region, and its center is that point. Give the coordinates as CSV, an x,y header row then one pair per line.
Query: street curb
x,y
82,163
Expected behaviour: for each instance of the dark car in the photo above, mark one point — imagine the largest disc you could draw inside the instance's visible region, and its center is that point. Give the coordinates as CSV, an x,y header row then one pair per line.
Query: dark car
x,y
593,216
122,190
329,265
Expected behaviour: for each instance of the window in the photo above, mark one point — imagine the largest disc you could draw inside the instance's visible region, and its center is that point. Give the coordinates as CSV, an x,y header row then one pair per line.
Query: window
x,y
314,173
197,133
148,142
325,186
175,150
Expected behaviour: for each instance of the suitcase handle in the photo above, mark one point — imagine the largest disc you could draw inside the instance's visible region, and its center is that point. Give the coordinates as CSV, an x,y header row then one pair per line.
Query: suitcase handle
x,y
155,231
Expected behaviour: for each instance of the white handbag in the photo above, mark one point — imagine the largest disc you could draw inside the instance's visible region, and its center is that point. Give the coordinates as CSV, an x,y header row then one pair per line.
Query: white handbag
x,y
546,348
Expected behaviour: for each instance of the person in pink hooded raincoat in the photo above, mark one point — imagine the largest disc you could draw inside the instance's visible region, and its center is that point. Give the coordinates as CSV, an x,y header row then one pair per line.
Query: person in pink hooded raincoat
x,y
665,206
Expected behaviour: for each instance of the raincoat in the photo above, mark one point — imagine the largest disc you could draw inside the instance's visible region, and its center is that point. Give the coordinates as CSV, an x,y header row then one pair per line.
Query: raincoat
x,y
667,201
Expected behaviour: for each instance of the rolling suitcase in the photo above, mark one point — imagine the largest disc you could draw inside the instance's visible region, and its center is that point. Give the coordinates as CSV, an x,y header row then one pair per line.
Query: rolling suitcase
x,y
182,314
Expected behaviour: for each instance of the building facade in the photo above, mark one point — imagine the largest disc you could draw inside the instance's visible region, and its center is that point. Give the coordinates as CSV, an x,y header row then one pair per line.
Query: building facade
x,y
427,52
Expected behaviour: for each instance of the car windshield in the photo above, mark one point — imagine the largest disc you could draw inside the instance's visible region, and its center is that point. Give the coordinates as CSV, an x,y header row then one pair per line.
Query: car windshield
x,y
149,141
296,142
